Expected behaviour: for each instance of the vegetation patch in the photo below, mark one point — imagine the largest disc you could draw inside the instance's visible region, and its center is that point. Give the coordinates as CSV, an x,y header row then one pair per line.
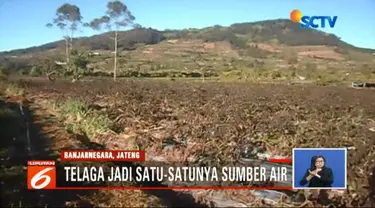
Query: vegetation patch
x,y
14,90
80,119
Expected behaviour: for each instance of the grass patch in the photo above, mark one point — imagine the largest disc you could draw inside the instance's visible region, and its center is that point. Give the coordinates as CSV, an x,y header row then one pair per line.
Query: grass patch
x,y
80,119
14,90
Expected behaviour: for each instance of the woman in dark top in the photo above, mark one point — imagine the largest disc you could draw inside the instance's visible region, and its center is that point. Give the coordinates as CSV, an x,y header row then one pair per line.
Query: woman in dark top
x,y
318,175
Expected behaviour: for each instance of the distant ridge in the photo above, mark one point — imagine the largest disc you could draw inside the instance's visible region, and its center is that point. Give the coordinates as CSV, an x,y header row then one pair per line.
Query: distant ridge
x,y
279,31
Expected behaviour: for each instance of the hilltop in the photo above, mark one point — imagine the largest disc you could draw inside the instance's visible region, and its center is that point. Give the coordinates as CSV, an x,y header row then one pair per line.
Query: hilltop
x,y
270,44
280,31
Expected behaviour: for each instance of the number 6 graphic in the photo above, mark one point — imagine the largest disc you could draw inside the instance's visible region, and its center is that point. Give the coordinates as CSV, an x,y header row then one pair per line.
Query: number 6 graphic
x,y
40,176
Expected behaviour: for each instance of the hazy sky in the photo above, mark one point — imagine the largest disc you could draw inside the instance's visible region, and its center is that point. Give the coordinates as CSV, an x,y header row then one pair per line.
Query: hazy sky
x,y
22,22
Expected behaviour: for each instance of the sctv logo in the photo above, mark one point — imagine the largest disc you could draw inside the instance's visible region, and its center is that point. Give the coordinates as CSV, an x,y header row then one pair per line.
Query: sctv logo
x,y
313,21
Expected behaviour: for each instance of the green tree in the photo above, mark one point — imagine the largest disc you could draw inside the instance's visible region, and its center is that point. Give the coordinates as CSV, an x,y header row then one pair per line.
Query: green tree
x,y
79,64
117,16
68,19
35,71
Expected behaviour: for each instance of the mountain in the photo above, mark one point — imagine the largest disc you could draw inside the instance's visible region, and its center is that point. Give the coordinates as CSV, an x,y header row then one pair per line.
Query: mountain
x,y
276,48
280,31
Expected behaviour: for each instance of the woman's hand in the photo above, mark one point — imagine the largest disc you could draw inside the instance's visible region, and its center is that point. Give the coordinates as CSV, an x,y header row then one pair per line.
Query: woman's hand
x,y
315,173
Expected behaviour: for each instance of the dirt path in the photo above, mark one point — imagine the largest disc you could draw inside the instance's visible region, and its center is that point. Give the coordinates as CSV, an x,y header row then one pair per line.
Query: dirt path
x,y
28,135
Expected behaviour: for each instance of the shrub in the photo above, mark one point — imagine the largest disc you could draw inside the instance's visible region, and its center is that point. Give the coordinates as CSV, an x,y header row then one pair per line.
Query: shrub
x,y
35,71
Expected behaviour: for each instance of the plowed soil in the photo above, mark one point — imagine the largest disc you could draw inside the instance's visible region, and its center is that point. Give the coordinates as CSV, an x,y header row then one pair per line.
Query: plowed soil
x,y
215,115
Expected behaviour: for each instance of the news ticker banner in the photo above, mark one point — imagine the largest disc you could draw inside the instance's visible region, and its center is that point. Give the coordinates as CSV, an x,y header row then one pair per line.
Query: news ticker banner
x,y
110,169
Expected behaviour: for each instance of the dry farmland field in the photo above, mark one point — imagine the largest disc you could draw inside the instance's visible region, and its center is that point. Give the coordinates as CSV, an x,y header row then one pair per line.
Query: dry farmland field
x,y
212,120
